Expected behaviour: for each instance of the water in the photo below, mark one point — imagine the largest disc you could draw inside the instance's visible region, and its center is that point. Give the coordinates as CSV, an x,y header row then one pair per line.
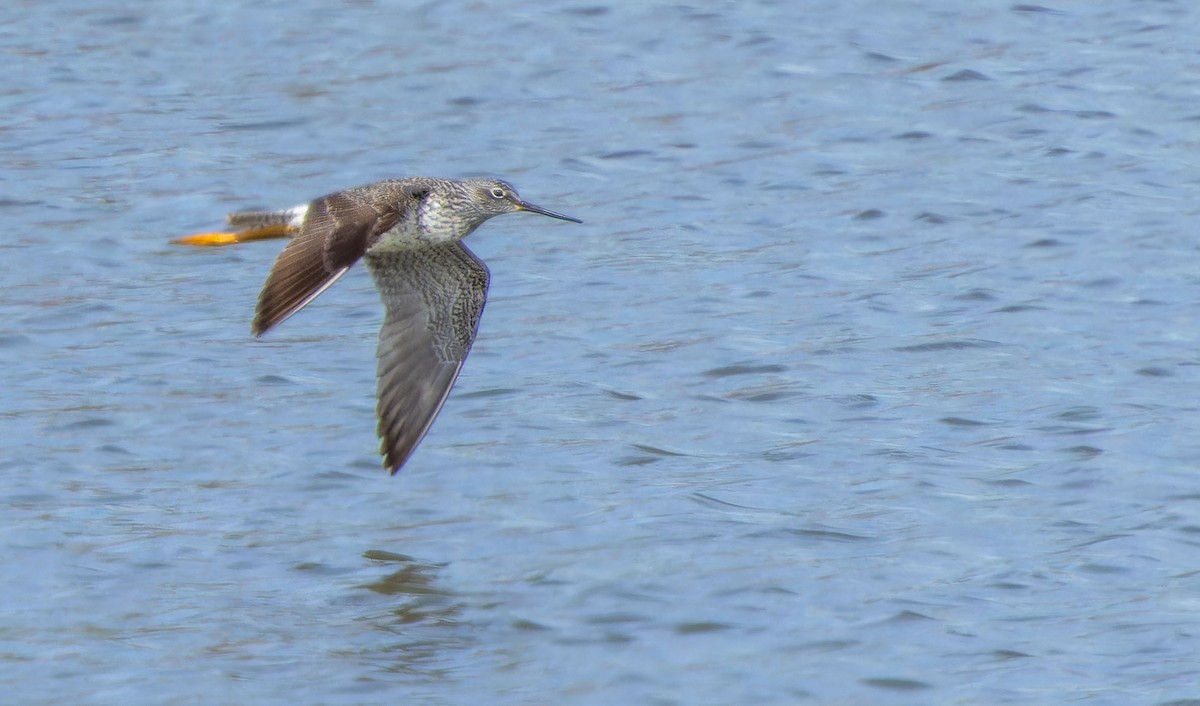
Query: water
x,y
869,379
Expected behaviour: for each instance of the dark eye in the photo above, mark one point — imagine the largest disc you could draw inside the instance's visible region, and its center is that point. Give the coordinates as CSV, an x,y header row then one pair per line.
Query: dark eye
x,y
498,193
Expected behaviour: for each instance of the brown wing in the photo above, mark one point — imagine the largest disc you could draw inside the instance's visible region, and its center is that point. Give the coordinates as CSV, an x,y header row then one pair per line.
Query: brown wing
x,y
336,232
434,298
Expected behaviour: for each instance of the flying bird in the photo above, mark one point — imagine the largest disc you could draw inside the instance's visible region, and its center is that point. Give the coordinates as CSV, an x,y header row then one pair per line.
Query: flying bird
x,y
409,231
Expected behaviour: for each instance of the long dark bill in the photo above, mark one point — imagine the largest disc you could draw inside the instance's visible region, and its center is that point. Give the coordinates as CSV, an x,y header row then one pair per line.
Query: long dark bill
x,y
532,208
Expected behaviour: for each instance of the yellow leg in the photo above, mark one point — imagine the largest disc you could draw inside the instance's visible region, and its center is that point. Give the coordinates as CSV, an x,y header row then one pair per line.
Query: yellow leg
x,y
207,239
217,239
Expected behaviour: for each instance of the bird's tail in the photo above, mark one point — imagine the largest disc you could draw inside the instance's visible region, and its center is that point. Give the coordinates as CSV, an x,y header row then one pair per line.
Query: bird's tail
x,y
251,225
244,220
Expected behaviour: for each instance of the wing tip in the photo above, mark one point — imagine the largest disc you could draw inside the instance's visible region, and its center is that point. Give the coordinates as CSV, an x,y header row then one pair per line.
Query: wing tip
x,y
390,448
393,458
264,320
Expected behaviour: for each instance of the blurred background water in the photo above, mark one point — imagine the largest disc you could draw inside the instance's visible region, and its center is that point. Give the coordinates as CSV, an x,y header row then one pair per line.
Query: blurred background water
x,y
871,377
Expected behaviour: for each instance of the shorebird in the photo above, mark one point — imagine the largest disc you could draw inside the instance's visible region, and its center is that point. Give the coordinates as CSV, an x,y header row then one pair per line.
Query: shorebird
x,y
410,233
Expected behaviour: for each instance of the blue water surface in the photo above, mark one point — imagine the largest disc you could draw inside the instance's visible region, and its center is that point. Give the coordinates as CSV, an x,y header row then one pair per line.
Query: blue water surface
x,y
870,377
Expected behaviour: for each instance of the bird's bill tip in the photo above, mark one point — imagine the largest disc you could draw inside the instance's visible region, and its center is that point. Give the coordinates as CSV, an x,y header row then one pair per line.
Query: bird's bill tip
x,y
533,208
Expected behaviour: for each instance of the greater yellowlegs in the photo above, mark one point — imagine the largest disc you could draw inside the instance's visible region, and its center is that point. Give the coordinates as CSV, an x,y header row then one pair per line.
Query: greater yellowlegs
x,y
409,231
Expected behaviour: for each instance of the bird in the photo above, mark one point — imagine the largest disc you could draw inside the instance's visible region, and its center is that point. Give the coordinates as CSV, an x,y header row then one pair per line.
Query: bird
x,y
409,232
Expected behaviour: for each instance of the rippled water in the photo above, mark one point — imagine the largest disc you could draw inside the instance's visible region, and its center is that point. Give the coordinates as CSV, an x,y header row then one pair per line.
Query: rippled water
x,y
871,377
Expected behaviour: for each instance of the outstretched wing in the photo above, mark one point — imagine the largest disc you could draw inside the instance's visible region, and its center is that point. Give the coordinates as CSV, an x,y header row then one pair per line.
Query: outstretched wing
x,y
434,297
337,230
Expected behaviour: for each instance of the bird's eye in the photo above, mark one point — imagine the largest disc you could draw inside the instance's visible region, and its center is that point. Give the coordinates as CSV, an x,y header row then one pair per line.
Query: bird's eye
x,y
497,193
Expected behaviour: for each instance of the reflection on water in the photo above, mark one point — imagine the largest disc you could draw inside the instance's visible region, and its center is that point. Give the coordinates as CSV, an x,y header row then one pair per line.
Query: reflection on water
x,y
416,600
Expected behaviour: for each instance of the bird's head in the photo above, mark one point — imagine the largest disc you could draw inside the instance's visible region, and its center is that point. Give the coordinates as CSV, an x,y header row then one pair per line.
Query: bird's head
x,y
492,197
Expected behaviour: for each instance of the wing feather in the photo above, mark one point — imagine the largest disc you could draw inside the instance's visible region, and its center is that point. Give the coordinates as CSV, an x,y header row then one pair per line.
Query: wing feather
x,y
434,298
336,231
